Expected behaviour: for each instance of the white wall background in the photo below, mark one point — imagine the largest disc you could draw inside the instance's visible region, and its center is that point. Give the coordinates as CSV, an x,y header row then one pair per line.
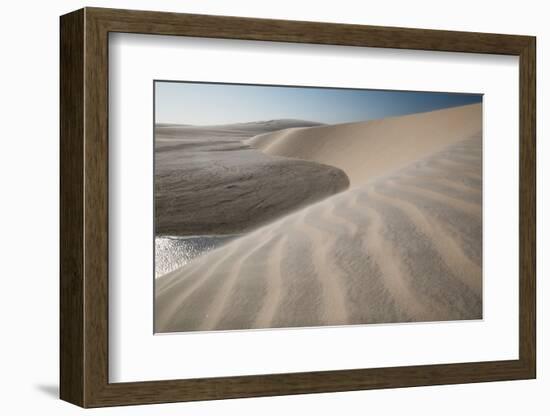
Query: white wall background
x,y
29,209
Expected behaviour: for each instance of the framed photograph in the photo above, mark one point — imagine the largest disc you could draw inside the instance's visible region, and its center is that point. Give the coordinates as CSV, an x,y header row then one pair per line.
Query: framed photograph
x,y
255,207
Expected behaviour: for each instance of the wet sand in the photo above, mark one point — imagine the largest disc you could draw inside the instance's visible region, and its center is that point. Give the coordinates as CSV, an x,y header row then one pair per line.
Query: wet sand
x,y
209,181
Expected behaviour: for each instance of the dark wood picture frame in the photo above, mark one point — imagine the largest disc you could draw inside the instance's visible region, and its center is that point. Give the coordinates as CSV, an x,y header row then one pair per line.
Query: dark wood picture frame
x,y
84,207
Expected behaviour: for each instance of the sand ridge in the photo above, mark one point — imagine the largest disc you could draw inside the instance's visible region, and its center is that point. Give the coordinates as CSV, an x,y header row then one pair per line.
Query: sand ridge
x,y
369,149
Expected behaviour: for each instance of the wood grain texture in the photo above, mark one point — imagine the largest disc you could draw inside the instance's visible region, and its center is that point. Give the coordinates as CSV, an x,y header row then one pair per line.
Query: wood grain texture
x,y
84,207
71,213
162,23
527,208
96,214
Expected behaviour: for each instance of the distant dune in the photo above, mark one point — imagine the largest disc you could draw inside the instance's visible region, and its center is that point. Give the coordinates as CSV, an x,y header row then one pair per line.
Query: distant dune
x,y
403,244
373,148
165,131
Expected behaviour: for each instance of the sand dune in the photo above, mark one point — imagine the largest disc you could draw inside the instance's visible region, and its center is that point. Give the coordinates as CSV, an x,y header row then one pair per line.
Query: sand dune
x,y
369,149
207,181
404,244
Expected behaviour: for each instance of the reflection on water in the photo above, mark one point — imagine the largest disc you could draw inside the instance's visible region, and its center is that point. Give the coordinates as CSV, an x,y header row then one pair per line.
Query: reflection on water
x,y
172,252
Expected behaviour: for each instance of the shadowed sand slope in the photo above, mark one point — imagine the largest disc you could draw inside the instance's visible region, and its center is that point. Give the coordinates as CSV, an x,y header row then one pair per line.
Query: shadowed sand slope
x,y
405,246
368,149
208,181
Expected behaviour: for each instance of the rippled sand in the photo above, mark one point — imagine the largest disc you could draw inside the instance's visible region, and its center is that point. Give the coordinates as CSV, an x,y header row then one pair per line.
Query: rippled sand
x,y
404,245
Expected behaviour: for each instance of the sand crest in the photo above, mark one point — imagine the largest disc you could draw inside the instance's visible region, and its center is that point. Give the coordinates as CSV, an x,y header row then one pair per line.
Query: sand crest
x,y
368,149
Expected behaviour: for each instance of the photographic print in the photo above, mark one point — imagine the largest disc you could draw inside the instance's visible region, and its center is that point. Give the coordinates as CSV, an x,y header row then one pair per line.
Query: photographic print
x,y
294,206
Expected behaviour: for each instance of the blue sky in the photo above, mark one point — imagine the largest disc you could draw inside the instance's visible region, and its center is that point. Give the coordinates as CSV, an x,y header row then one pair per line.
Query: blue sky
x,y
211,104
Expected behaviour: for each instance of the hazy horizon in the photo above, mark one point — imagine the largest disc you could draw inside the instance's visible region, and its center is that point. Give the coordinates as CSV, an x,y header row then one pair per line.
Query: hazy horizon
x,y
204,104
